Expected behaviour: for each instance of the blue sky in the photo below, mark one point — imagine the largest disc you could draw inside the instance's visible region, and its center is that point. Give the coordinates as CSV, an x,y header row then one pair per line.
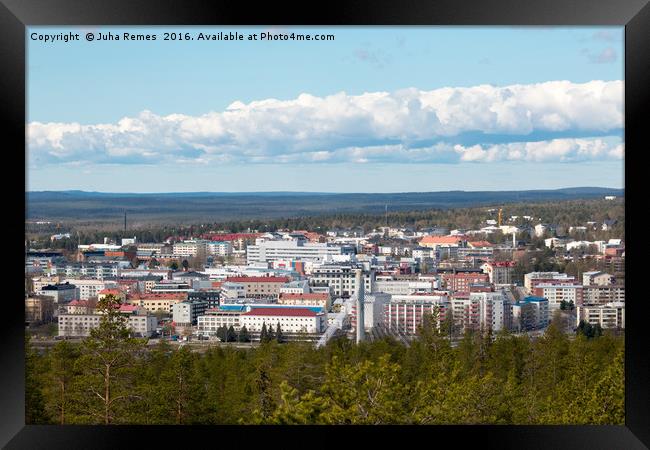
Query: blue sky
x,y
379,109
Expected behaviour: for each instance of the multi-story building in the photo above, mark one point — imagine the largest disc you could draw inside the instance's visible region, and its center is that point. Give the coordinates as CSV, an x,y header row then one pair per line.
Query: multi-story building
x,y
39,309
295,287
611,315
157,302
482,310
188,249
291,320
215,318
530,313
459,280
500,272
308,299
373,311
60,292
171,287
260,287
185,313
557,293
209,295
89,288
404,313
340,278
534,278
597,278
601,295
79,325
267,251
219,248
402,287
232,292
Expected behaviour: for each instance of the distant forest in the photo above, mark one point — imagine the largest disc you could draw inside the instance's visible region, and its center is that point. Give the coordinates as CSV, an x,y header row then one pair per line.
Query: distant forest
x,y
187,208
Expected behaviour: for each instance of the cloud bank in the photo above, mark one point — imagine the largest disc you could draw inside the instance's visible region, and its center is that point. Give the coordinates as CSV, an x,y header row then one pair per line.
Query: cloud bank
x,y
398,126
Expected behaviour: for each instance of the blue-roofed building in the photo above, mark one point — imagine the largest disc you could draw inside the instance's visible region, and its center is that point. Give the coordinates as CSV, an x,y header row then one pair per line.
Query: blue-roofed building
x,y
530,313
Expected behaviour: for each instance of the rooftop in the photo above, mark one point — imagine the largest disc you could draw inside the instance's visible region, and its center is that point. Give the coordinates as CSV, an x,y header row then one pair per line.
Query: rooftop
x,y
281,312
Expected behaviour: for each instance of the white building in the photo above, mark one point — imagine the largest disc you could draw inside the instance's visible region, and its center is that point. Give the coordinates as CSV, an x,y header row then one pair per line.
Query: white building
x,y
267,251
340,278
190,248
90,288
557,293
81,324
219,248
482,310
186,313
402,287
597,278
232,292
295,287
213,319
611,315
291,320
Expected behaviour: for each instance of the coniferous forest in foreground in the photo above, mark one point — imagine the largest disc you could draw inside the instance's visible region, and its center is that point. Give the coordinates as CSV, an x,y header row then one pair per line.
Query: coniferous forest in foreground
x,y
111,378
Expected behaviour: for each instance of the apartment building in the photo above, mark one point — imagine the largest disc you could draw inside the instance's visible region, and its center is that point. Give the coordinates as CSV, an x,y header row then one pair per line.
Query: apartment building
x,y
404,313
482,310
534,278
460,281
601,295
90,288
611,315
157,302
60,292
260,287
340,278
556,293
185,313
500,272
530,313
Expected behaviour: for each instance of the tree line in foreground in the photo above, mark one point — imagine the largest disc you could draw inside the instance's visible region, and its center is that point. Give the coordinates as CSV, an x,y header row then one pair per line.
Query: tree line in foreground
x,y
112,378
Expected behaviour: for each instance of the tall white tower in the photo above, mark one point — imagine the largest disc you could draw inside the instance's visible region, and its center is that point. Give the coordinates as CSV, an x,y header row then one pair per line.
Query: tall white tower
x,y
361,319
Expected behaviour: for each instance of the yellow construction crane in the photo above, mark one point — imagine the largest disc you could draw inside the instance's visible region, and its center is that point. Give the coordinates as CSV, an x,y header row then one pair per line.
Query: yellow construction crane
x,y
500,211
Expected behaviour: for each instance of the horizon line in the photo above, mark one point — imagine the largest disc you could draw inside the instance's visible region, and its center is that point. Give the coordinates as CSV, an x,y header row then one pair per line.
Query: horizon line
x,y
317,192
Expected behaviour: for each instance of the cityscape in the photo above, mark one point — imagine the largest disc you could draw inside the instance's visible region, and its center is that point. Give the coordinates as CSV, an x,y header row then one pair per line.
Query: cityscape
x,y
329,246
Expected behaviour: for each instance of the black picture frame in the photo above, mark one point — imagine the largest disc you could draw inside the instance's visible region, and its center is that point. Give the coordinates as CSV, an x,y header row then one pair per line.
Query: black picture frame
x,y
15,15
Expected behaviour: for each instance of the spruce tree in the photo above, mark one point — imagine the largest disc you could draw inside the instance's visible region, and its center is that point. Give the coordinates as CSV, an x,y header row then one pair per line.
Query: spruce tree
x,y
243,335
264,334
231,336
278,333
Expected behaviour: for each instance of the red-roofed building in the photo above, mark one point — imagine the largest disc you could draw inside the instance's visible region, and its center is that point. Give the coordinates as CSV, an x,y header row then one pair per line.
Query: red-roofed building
x,y
291,320
478,244
261,287
114,292
315,299
157,302
442,241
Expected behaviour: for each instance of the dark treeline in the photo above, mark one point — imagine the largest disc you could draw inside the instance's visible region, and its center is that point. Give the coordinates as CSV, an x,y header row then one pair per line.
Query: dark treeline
x,y
563,214
111,378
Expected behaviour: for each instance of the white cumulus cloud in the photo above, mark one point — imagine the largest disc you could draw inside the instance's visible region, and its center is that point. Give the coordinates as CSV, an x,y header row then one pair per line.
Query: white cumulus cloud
x,y
362,128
